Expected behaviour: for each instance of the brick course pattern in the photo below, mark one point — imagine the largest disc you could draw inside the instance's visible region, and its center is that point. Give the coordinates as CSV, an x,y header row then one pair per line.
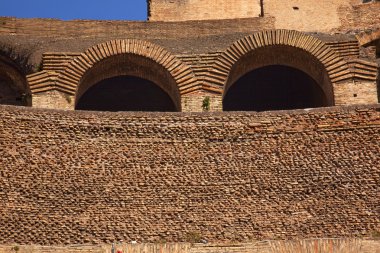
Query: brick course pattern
x,y
200,56
301,15
335,66
210,72
180,10
181,73
91,177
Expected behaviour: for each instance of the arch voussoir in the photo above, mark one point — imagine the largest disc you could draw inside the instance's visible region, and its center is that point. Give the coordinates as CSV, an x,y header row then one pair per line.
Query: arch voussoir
x,y
314,46
77,68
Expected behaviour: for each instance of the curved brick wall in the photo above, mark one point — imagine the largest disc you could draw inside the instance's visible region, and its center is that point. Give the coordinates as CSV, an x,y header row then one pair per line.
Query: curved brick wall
x,y
86,177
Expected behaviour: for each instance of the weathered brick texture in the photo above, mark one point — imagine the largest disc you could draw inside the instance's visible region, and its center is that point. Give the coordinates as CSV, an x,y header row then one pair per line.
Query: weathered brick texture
x,y
165,10
301,15
85,177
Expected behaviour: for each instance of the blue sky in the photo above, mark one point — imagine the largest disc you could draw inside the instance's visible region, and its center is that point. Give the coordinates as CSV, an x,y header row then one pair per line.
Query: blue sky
x,y
75,9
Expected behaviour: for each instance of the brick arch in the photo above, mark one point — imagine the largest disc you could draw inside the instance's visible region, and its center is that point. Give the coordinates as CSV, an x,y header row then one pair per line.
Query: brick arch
x,y
70,78
368,38
14,88
336,68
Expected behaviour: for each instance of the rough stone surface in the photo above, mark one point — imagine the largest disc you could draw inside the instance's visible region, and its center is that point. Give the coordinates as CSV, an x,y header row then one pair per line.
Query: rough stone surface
x,y
85,177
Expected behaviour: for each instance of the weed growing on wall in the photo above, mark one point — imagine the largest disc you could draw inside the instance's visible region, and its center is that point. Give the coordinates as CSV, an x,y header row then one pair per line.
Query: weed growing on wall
x,y
19,57
193,237
15,248
375,235
68,98
206,104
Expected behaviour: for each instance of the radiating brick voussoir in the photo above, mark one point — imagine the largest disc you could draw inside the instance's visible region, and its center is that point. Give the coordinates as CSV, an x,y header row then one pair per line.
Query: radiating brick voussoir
x,y
317,48
77,68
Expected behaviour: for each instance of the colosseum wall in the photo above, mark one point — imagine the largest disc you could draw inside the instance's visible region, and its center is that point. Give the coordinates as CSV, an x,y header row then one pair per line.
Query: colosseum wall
x,y
91,177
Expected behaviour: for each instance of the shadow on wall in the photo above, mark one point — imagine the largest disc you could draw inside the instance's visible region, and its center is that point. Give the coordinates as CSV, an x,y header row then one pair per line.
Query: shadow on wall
x,y
271,78
274,87
378,86
14,66
378,70
126,93
128,82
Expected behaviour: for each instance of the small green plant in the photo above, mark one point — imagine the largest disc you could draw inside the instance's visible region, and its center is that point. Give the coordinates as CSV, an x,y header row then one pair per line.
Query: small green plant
x,y
68,98
38,67
162,240
19,56
193,237
206,104
375,235
15,248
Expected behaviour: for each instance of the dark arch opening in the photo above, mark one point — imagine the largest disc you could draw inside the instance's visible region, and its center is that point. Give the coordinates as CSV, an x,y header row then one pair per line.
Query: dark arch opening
x,y
127,82
13,86
9,95
274,87
126,93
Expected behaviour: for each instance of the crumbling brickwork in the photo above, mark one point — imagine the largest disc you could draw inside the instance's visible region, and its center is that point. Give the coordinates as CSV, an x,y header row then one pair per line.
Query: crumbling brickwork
x,y
85,177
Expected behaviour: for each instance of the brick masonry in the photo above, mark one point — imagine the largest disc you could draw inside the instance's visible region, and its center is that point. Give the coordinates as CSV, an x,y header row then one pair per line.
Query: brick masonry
x,y
217,46
183,75
180,10
301,15
90,177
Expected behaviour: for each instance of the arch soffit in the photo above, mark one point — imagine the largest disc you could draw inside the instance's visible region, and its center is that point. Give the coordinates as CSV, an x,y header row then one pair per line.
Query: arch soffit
x,y
70,78
336,68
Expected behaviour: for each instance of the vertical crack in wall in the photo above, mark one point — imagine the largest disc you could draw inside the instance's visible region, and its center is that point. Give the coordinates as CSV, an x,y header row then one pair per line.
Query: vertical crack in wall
x,y
148,3
261,8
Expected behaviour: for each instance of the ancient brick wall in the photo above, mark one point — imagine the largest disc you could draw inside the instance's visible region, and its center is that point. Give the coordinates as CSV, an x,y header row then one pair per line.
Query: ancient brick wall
x,y
53,99
129,29
360,17
180,10
323,15
39,36
301,15
211,72
305,15
207,73
85,177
